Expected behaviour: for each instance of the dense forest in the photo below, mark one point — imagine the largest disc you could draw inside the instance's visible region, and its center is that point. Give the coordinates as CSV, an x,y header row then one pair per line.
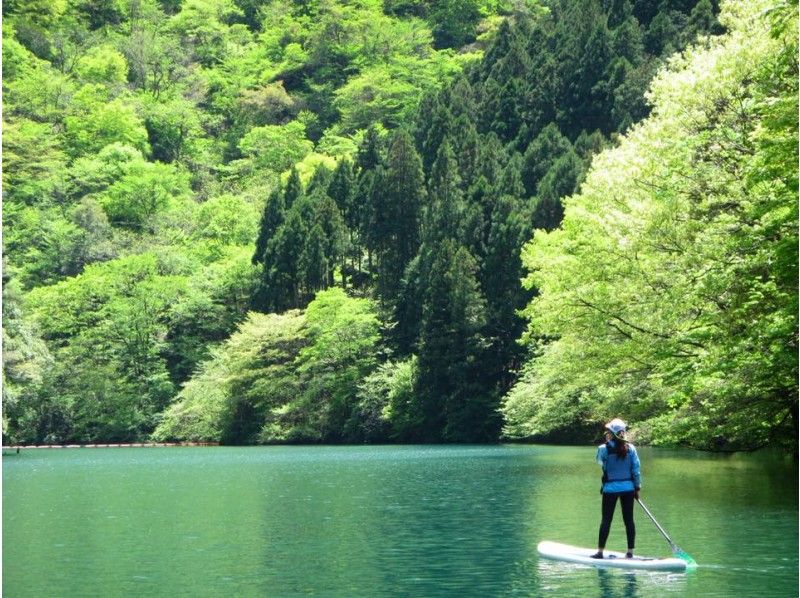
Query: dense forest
x,y
400,220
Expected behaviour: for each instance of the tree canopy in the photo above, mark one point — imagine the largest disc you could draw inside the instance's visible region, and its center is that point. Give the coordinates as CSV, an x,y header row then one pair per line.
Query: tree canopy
x,y
308,221
669,291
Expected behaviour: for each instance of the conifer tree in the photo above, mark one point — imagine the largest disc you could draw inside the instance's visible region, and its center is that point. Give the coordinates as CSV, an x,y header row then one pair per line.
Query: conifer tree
x,y
329,218
368,161
369,152
441,124
342,190
271,219
454,22
445,190
561,180
293,190
450,347
541,154
401,193
509,229
313,263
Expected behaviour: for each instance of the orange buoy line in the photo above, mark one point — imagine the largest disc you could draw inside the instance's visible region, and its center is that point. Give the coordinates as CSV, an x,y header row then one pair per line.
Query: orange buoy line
x,y
17,447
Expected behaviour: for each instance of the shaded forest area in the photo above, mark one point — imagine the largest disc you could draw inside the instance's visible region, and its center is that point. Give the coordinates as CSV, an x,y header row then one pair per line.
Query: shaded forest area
x,y
308,222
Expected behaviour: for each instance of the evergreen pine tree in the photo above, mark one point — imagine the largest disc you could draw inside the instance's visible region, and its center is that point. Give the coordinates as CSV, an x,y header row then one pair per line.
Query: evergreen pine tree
x,y
561,180
329,218
320,179
466,148
543,151
271,219
312,263
342,190
401,192
369,152
451,394
510,228
446,195
293,190
441,123
368,161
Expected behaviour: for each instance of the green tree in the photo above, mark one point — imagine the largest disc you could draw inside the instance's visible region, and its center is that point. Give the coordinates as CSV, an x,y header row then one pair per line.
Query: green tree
x,y
276,147
102,64
271,219
451,399
677,254
401,195
99,123
146,189
454,23
562,179
540,156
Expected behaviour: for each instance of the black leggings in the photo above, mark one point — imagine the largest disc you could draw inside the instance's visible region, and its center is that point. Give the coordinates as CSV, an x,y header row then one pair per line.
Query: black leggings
x,y
609,502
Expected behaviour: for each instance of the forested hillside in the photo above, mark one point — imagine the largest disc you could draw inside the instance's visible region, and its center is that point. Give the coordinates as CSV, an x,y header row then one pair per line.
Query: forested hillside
x,y
304,221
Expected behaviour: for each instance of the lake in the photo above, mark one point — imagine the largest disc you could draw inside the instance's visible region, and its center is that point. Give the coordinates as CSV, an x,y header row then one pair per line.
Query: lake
x,y
383,521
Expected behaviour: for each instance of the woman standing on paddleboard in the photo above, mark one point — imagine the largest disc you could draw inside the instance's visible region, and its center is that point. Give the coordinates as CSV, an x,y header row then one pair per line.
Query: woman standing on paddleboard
x,y
621,480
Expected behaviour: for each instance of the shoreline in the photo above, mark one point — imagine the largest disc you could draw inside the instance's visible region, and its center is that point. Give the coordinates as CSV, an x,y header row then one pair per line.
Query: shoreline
x,y
17,448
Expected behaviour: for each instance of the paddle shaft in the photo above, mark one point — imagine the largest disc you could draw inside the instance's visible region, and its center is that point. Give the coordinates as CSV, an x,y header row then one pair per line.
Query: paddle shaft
x,y
661,529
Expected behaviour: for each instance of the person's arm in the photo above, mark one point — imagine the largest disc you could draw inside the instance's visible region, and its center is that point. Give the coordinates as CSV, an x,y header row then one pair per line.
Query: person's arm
x,y
636,469
602,455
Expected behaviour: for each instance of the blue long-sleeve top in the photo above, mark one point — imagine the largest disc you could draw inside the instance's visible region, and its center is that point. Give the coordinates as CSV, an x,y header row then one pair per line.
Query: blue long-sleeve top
x,y
622,475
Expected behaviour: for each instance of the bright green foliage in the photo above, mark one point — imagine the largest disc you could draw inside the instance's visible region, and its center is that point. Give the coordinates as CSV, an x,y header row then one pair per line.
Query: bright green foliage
x,y
174,130
205,26
39,242
253,367
144,139
144,190
344,337
276,147
224,221
217,299
99,123
386,402
34,162
102,64
25,361
283,378
105,329
376,95
669,294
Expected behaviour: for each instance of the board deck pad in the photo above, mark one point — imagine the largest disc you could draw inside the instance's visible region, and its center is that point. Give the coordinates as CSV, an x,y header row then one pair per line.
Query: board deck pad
x,y
575,554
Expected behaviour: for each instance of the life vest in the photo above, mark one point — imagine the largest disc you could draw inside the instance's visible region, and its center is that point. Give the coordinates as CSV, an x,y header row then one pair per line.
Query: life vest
x,y
621,469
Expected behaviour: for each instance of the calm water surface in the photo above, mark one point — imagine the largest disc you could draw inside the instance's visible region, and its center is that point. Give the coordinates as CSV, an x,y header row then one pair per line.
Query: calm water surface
x,y
382,521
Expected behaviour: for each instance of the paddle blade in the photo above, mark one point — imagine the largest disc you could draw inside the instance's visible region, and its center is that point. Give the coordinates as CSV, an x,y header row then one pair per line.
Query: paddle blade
x,y
684,556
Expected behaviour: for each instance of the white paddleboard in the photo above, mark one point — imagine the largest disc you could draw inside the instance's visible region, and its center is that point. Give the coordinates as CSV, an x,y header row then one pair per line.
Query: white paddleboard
x,y
574,554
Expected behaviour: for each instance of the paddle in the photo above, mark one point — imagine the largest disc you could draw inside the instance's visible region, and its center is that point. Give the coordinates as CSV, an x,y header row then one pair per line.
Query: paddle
x,y
684,556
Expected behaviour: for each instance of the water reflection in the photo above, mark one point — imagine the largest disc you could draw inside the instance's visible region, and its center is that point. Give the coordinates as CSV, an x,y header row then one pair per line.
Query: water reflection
x,y
610,586
569,579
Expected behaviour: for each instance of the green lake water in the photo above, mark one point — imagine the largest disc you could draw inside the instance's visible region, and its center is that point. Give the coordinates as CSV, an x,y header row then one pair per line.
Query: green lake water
x,y
382,521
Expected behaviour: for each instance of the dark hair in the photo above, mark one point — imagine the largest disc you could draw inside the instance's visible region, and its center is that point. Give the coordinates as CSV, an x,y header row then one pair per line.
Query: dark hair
x,y
622,447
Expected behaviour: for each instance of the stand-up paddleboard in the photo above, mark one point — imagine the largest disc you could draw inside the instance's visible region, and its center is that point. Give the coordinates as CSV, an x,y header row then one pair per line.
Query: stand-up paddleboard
x,y
574,554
